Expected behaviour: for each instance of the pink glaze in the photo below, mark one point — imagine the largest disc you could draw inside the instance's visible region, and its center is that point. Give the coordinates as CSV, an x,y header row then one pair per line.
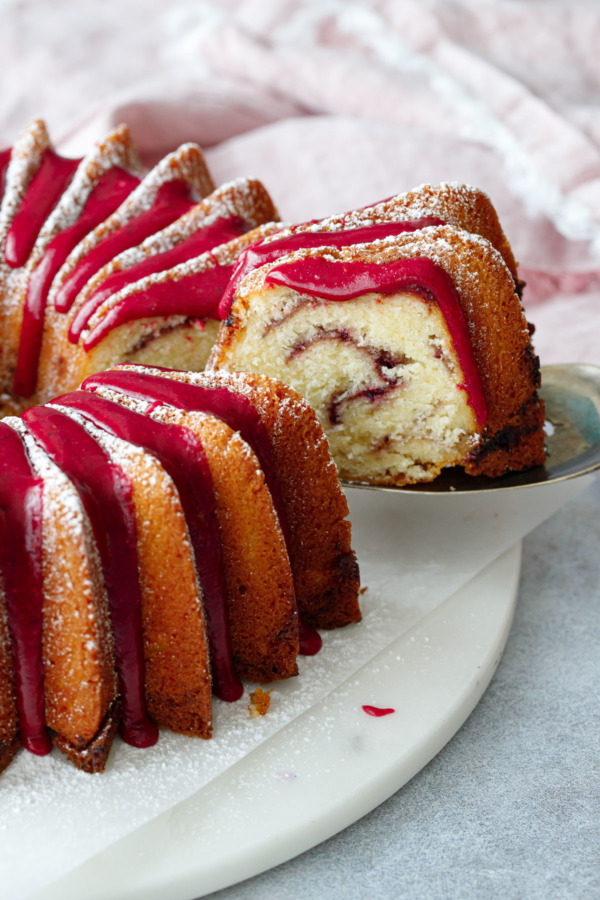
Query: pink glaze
x,y
266,251
194,296
204,239
181,454
21,577
235,410
173,199
46,188
111,190
106,494
378,711
4,162
342,281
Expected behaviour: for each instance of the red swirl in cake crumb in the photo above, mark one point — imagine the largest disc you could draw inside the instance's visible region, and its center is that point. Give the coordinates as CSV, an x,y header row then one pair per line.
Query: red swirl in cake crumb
x,y
338,279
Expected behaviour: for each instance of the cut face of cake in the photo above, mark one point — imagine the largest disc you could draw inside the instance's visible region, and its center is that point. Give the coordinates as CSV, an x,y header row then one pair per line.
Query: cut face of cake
x,y
407,338
102,263
164,536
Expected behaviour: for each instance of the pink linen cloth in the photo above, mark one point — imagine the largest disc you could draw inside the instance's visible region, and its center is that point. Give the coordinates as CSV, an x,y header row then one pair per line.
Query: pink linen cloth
x,y
335,104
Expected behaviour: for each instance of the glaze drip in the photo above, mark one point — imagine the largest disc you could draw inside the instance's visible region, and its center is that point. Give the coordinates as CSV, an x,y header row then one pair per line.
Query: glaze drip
x,y
21,575
106,494
196,296
173,199
48,183
4,162
111,190
181,454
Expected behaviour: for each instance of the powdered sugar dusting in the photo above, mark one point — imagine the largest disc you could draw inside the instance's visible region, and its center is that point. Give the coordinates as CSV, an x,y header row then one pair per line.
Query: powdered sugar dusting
x,y
72,569
70,512
116,150
244,198
223,255
460,205
186,164
142,466
25,160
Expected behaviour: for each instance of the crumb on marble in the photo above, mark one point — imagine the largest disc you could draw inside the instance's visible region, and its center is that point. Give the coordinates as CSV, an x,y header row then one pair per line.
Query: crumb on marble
x,y
260,701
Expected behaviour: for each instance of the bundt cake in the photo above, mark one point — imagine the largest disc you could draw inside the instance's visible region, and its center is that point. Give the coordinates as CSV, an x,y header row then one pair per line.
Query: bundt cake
x,y
162,534
402,326
101,263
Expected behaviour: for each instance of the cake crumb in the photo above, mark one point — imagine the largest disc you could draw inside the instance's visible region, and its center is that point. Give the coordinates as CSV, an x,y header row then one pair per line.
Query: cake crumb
x,y
259,702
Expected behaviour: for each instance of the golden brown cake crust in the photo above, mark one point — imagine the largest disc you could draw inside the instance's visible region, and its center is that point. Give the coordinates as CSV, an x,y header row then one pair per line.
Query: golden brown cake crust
x,y
261,601
261,604
177,681
79,675
8,750
91,757
326,569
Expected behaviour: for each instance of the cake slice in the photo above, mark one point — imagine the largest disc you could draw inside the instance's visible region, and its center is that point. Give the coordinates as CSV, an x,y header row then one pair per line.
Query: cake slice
x,y
412,347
